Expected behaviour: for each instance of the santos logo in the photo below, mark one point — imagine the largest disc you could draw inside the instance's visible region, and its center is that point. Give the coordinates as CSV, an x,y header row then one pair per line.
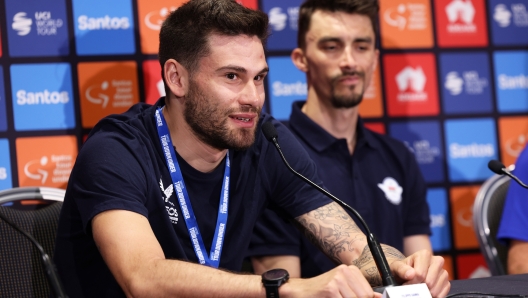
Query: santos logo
x,y
21,24
513,82
463,11
104,23
416,19
154,19
473,83
295,89
44,97
121,89
472,150
411,83
45,24
437,220
277,18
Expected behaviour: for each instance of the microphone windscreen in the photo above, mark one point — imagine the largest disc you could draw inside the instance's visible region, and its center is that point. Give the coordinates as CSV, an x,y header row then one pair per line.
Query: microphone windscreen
x,y
496,166
269,131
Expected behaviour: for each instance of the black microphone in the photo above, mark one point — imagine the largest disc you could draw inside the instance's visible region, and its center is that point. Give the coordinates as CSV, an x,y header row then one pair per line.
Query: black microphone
x,y
498,168
49,267
379,258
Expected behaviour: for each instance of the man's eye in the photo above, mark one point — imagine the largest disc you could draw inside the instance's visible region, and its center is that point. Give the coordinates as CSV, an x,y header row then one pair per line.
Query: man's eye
x,y
259,78
231,76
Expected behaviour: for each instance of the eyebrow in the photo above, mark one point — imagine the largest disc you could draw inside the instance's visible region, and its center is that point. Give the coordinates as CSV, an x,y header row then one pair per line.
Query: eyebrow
x,y
240,69
337,39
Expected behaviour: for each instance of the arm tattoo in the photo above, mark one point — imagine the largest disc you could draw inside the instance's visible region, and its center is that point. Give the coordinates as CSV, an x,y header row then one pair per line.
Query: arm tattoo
x,y
332,229
391,252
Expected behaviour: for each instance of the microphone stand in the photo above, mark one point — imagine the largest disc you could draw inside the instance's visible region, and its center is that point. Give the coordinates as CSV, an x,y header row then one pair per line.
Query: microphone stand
x,y
375,248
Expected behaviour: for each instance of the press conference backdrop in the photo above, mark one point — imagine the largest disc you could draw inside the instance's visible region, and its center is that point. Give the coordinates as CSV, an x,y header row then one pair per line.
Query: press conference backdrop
x,y
452,84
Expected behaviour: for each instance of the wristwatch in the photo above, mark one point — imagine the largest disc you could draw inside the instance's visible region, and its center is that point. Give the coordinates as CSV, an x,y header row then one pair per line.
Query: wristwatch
x,y
272,280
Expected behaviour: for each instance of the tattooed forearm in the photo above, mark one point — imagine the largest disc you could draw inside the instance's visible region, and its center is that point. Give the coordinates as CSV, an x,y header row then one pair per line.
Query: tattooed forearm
x,y
364,258
373,277
391,252
332,229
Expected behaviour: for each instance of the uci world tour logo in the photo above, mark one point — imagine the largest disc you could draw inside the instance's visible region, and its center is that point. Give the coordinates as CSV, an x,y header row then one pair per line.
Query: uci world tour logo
x,y
22,24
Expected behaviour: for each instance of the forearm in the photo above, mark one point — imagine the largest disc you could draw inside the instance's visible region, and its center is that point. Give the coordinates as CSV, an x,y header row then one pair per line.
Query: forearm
x,y
518,257
338,236
172,278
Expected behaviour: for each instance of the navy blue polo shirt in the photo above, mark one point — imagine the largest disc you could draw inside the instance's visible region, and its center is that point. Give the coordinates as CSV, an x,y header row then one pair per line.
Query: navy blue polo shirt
x,y
381,180
122,166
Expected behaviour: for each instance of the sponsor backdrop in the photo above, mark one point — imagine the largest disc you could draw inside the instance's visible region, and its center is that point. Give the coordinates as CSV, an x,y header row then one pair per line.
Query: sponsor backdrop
x,y
452,84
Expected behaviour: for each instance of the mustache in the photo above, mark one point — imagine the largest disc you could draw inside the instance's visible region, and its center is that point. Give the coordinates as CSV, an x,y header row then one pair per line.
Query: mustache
x,y
360,74
246,109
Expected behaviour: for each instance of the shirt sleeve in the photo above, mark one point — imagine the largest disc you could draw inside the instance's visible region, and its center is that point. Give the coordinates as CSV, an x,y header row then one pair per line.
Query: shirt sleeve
x,y
108,175
514,220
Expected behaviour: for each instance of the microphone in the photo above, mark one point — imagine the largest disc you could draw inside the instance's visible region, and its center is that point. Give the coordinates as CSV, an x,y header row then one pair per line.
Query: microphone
x,y
49,267
498,168
379,258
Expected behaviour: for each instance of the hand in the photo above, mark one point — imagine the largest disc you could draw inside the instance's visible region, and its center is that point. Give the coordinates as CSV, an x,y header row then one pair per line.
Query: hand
x,y
342,281
423,267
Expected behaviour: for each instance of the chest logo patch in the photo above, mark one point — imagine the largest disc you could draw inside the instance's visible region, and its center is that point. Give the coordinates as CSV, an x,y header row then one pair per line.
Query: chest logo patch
x,y
392,190
171,209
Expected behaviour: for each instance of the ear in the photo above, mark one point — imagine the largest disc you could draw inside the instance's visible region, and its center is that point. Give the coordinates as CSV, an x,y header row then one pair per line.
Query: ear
x,y
176,77
299,60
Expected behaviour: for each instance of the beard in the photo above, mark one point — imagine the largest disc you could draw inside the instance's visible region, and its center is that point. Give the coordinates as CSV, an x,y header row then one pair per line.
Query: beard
x,y
209,122
349,100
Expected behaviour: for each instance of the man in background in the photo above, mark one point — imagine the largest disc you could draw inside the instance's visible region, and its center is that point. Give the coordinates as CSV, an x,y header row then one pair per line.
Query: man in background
x,y
513,229
375,174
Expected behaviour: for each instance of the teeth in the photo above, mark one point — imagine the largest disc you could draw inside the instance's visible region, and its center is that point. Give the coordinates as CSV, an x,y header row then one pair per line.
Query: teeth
x,y
242,119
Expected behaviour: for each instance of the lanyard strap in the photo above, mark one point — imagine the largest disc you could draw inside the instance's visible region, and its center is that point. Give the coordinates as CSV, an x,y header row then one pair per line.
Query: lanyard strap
x,y
185,204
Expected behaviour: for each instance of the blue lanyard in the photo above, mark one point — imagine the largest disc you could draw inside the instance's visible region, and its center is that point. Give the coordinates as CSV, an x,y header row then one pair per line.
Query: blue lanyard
x,y
185,204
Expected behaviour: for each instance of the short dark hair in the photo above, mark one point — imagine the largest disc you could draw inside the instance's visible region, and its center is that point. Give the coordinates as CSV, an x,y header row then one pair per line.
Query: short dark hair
x,y
369,8
183,35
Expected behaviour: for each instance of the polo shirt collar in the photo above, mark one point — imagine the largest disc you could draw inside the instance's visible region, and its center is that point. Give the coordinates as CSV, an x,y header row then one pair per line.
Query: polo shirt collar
x,y
318,138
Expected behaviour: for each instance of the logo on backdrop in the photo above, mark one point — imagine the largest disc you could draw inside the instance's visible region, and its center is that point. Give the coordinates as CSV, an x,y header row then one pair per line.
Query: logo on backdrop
x,y
470,145
470,80
440,228
411,83
43,23
504,16
283,17
460,11
411,16
392,190
154,19
515,145
424,152
55,167
119,92
3,120
103,29
42,96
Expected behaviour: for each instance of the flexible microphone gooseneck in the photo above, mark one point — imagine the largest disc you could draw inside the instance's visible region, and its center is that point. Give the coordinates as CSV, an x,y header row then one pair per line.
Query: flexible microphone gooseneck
x,y
379,258
498,168
49,267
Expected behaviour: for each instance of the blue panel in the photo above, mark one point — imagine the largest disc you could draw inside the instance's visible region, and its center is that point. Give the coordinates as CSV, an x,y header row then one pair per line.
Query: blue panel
x,y
286,85
470,144
509,22
42,96
440,228
103,27
466,83
3,117
37,28
511,80
423,139
283,18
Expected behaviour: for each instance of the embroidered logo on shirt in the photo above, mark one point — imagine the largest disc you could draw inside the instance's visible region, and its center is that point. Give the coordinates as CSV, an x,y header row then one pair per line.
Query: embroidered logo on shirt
x,y
171,209
392,190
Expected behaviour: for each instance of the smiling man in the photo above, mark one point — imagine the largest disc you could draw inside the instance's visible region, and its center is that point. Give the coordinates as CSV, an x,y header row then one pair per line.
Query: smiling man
x,y
375,174
162,197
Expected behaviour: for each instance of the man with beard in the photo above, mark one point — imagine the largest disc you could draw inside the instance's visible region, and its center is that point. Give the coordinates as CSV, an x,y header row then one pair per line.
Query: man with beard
x,y
159,190
373,173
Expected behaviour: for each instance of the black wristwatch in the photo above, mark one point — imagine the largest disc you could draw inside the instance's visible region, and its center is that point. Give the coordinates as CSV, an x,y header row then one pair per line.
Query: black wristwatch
x,y
272,280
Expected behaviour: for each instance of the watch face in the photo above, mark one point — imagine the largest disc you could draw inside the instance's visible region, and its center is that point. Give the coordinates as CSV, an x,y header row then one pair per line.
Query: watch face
x,y
275,274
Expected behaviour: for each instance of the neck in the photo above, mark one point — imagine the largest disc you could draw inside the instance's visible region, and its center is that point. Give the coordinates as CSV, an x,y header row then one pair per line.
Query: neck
x,y
341,123
196,153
